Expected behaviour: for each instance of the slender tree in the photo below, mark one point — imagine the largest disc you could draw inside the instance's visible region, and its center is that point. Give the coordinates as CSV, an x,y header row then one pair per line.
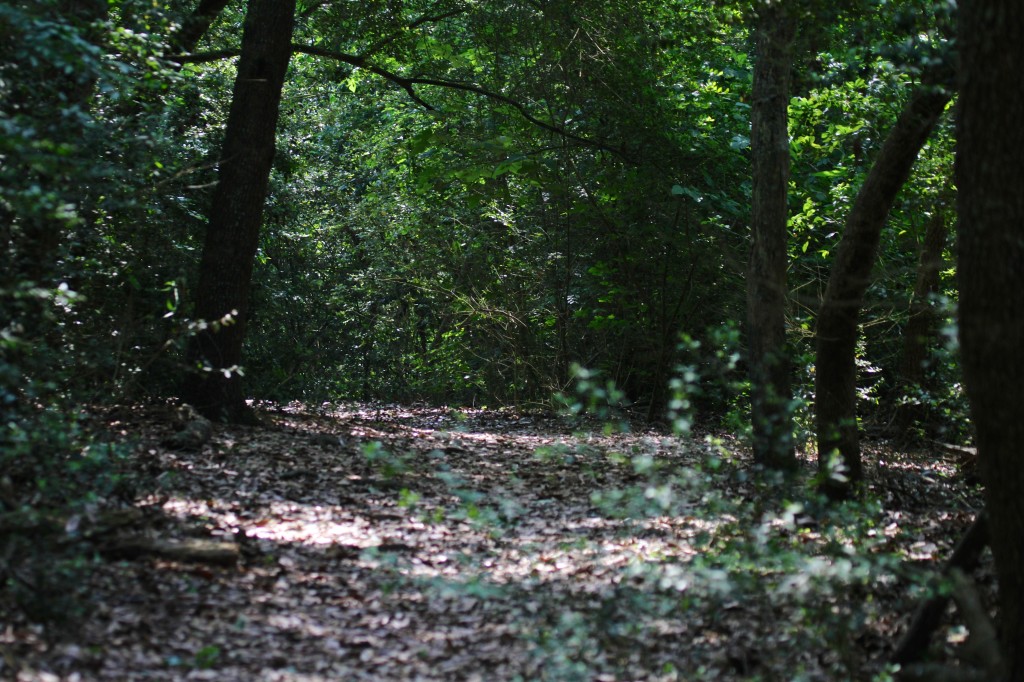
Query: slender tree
x,y
920,330
222,297
835,366
771,393
990,145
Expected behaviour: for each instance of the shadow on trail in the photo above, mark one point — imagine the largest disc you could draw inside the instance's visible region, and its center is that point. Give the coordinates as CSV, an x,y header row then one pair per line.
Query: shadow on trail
x,y
431,544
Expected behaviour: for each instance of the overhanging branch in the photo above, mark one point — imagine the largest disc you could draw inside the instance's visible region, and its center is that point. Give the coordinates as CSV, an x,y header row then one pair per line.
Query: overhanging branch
x,y
409,85
362,63
203,57
425,19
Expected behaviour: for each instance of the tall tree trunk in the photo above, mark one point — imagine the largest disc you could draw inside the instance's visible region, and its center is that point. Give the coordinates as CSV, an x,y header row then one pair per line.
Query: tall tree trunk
x,y
215,353
835,366
990,146
920,330
771,393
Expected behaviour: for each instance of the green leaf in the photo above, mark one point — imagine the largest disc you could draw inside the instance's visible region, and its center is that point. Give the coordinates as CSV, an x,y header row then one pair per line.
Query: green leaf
x,y
693,193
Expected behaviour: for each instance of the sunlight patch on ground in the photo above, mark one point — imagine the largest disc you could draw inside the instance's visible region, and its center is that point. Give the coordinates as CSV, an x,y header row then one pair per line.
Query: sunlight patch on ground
x,y
539,553
372,546
285,522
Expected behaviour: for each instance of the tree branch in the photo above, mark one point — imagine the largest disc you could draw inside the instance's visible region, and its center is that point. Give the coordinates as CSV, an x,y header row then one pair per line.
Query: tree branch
x,y
203,57
197,24
409,85
361,63
981,659
426,19
311,10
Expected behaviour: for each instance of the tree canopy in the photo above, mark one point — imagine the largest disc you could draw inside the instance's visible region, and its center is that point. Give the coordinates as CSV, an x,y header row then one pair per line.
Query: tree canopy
x,y
728,215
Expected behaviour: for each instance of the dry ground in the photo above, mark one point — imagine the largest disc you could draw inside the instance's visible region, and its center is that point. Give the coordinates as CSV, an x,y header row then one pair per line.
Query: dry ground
x,y
387,543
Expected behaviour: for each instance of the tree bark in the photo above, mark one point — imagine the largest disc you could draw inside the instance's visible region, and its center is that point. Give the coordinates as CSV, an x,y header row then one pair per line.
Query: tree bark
x,y
921,323
835,366
989,178
215,353
197,24
770,389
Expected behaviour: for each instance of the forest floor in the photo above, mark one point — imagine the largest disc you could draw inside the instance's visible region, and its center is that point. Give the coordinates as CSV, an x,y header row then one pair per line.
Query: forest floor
x,y
386,543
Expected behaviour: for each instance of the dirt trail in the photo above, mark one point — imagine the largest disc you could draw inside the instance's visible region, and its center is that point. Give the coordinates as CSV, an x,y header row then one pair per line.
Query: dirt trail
x,y
435,544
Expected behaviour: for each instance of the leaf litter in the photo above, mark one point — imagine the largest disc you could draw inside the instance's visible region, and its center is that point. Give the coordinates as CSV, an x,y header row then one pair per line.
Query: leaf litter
x,y
379,542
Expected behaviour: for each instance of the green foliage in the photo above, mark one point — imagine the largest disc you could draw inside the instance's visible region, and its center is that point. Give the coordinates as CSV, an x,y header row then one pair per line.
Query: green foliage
x,y
43,581
596,399
53,467
76,195
387,464
207,657
462,253
71,193
809,567
476,261
837,126
465,254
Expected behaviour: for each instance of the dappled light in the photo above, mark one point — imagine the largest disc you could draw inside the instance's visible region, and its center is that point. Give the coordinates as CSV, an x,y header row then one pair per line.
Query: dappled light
x,y
457,543
562,341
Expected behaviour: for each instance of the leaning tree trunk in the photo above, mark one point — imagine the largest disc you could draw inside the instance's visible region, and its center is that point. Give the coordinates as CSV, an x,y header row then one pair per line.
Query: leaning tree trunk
x,y
990,178
195,26
215,353
835,366
771,394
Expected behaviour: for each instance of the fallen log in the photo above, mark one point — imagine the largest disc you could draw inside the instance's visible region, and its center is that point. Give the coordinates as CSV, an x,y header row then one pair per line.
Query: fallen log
x,y
191,550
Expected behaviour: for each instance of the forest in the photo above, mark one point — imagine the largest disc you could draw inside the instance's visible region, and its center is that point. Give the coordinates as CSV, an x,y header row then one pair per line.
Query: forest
x,y
511,340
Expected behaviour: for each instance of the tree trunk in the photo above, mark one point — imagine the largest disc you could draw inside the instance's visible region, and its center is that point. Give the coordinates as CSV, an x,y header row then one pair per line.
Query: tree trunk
x,y
215,353
770,390
920,330
989,179
195,26
835,366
